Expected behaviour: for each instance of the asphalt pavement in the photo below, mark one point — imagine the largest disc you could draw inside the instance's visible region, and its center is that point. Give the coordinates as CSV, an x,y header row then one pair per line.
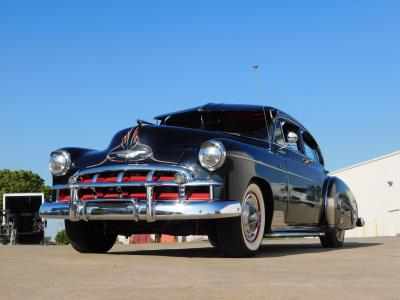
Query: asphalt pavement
x,y
366,268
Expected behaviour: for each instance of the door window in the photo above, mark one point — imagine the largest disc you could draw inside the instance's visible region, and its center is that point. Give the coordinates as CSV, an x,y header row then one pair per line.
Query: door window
x,y
289,131
310,147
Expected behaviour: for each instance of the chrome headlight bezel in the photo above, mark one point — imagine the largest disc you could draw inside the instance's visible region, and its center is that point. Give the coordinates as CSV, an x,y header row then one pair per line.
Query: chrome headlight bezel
x,y
64,160
215,148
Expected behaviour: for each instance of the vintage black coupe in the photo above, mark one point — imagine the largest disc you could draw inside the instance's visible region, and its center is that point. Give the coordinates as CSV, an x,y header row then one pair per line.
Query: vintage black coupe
x,y
236,173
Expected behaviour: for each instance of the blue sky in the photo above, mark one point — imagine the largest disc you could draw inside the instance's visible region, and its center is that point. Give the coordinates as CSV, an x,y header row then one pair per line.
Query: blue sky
x,y
72,73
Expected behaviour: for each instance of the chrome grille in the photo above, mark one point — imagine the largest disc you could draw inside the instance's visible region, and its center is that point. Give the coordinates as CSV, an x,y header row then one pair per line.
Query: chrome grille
x,y
138,182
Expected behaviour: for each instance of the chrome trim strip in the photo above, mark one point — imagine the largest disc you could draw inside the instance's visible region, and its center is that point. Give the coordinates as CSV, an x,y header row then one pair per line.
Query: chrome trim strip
x,y
270,166
135,167
119,176
181,193
115,209
94,179
294,234
73,205
134,183
150,212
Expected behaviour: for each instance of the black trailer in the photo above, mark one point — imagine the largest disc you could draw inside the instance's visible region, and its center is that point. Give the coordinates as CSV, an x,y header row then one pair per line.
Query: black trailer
x,y
20,222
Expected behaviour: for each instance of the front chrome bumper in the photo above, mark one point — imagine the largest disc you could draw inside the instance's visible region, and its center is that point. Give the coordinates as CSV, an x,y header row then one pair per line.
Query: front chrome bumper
x,y
139,211
134,209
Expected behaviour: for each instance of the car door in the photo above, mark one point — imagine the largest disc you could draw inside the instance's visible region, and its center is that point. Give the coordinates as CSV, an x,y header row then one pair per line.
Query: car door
x,y
302,193
316,169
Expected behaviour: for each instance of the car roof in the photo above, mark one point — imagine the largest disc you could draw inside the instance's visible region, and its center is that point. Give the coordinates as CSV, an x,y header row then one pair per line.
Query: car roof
x,y
216,107
228,107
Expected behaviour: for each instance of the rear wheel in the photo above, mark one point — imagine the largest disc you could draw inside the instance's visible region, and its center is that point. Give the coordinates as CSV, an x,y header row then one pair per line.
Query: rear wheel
x,y
89,237
242,236
333,239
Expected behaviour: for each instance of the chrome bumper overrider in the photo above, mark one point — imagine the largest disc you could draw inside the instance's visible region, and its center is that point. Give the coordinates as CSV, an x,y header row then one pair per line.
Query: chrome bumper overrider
x,y
137,211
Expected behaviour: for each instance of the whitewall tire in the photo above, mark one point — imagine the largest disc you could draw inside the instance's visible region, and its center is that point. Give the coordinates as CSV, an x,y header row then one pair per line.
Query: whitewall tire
x,y
242,236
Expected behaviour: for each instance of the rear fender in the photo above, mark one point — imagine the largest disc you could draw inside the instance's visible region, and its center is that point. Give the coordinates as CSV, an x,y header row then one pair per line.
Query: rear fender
x,y
340,209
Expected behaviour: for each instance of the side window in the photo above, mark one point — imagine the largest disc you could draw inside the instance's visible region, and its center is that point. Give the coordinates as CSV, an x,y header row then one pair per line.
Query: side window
x,y
279,138
310,147
291,135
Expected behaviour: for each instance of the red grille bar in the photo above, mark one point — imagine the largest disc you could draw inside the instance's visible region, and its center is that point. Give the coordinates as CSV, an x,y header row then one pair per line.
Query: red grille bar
x,y
127,177
64,195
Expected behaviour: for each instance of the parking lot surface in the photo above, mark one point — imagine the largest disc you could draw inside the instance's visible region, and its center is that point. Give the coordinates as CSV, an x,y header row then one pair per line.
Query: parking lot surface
x,y
284,269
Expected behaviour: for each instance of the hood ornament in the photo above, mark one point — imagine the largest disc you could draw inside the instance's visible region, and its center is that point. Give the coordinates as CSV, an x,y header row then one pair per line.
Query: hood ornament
x,y
139,152
130,148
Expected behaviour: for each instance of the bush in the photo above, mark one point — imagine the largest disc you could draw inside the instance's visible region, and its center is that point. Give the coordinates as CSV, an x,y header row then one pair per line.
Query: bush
x,y
62,238
21,181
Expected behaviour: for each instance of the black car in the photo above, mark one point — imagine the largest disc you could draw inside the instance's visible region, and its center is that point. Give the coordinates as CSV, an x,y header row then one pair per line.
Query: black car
x,y
236,173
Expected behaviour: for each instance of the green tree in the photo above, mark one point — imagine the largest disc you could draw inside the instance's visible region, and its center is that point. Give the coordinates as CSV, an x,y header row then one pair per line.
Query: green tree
x,y
21,181
62,238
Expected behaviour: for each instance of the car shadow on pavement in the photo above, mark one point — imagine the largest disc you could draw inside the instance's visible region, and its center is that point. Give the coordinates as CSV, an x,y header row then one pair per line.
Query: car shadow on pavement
x,y
266,250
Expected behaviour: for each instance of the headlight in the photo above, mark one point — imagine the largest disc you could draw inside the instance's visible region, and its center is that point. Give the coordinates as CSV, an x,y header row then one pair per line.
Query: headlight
x,y
212,155
60,162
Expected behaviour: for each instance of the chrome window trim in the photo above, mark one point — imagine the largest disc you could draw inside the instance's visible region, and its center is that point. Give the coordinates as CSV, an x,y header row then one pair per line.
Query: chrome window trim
x,y
274,137
267,138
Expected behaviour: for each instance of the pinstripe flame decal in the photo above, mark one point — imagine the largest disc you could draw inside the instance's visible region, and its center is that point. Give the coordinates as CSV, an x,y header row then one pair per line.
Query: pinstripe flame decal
x,y
129,142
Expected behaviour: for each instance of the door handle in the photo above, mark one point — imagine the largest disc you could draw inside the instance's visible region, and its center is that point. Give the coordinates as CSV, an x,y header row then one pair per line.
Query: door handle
x,y
306,161
280,151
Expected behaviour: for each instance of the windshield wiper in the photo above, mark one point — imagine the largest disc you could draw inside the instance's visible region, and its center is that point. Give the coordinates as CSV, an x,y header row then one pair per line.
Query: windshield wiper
x,y
232,133
141,122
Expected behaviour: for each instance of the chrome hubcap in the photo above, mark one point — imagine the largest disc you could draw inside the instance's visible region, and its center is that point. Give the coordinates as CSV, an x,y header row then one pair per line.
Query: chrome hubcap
x,y
251,217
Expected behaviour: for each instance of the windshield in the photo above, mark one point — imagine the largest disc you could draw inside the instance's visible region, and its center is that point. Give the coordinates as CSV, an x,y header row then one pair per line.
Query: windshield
x,y
249,124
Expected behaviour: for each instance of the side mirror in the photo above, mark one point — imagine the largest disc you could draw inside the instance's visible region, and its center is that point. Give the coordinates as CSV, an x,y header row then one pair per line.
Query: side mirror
x,y
292,137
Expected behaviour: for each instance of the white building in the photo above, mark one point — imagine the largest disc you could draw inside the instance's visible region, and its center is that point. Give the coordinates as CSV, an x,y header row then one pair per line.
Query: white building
x,y
376,187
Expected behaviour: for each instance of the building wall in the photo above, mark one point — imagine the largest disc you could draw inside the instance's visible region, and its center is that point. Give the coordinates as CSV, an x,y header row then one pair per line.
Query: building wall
x,y
376,186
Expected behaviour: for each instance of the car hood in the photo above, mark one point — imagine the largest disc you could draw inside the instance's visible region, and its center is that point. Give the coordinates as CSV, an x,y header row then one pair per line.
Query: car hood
x,y
148,144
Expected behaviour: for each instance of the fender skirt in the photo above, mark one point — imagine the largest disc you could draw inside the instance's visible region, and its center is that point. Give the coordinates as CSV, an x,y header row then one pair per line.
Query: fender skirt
x,y
341,210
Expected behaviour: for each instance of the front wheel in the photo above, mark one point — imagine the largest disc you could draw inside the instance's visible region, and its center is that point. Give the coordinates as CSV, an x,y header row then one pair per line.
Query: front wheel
x,y
213,238
333,239
242,236
89,237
